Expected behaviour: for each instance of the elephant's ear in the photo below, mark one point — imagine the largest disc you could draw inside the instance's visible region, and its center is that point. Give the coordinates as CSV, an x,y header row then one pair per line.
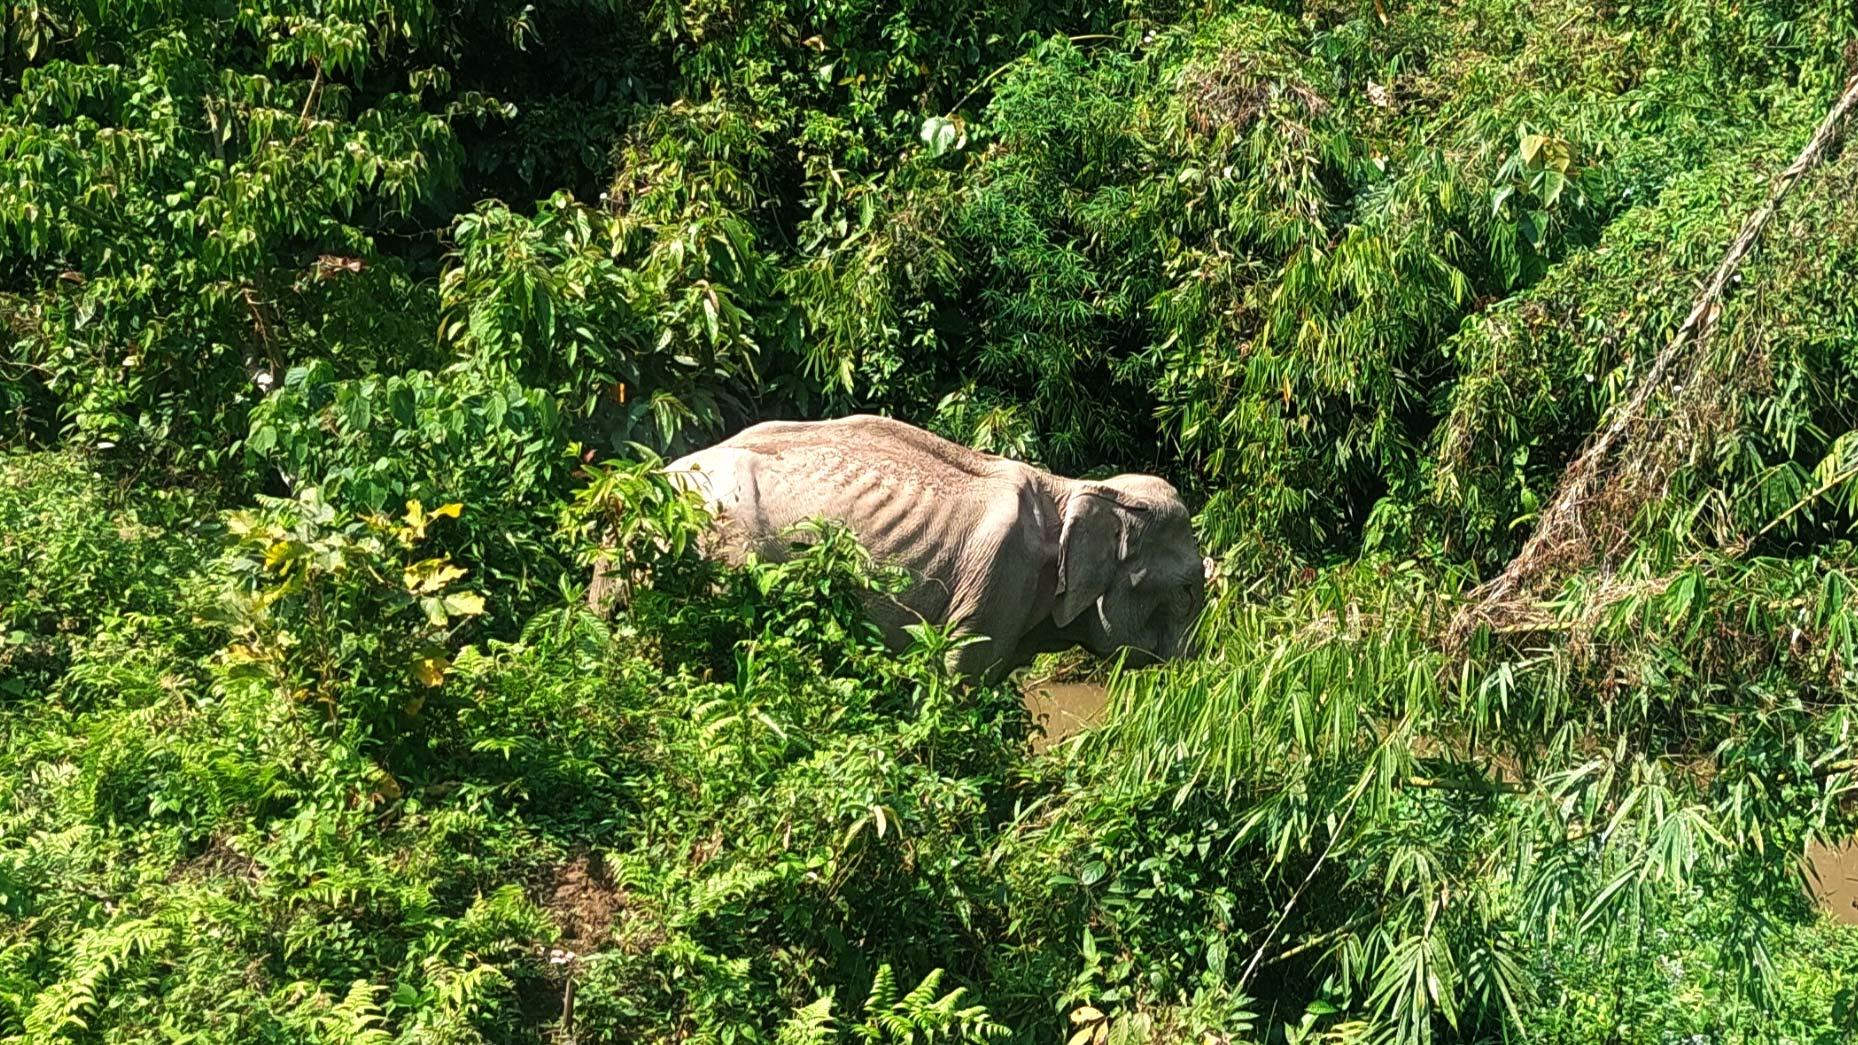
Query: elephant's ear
x,y
1093,541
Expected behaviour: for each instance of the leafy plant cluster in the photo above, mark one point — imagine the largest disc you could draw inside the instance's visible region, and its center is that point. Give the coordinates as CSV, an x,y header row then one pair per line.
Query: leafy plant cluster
x,y
315,799
202,201
342,339
344,819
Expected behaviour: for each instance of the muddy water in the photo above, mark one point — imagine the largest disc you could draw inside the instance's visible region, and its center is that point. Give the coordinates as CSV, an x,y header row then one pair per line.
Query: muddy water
x,y
1062,708
1837,886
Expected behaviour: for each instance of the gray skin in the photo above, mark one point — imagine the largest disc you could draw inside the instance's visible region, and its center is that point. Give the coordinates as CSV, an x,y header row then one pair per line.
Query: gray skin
x,y
1022,560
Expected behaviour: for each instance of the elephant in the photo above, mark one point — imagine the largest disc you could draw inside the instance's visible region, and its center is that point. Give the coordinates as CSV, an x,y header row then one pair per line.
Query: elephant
x,y
1021,561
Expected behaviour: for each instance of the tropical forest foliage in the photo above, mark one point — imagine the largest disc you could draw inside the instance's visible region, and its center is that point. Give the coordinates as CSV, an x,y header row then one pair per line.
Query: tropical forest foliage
x,y
339,334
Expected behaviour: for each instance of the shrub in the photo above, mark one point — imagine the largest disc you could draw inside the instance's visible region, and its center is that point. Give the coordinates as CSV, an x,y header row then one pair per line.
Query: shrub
x,y
344,616
461,436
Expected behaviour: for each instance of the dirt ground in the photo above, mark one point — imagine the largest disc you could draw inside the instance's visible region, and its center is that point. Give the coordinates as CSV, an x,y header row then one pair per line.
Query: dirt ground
x,y
583,904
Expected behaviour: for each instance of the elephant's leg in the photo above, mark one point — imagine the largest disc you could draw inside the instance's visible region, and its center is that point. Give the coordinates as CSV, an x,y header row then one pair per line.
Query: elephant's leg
x,y
1005,593
984,659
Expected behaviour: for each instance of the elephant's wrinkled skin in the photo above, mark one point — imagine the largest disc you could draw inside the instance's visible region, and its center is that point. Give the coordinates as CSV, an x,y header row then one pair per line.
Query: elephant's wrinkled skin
x,y
1026,561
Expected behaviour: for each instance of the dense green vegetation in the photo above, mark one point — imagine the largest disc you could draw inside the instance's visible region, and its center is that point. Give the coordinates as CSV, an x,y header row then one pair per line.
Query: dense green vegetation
x,y
337,333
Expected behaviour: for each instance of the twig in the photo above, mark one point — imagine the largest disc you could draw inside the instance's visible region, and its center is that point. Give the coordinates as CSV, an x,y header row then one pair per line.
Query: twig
x,y
249,294
1479,787
1808,499
1284,915
309,100
1317,941
567,1007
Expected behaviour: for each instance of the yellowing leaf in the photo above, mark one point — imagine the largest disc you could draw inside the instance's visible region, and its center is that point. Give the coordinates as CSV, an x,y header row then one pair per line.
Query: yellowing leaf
x,y
282,552
430,575
1086,1014
464,603
446,511
430,668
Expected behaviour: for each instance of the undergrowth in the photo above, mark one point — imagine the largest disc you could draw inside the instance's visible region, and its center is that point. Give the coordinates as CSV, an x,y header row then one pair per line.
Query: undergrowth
x,y
337,337
730,814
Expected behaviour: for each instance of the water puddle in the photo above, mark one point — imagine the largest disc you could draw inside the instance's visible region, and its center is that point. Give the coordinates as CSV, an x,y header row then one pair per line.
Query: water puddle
x,y
1836,883
1062,709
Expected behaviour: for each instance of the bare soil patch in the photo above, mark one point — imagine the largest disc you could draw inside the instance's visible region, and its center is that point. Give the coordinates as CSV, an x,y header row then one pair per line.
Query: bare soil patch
x,y
582,903
218,860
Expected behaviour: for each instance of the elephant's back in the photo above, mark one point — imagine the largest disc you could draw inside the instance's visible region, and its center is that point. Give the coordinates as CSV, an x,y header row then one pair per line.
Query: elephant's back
x,y
871,472
912,498
903,452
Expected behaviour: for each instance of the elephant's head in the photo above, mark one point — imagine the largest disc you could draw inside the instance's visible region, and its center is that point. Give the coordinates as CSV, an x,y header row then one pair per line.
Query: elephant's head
x,y
1130,573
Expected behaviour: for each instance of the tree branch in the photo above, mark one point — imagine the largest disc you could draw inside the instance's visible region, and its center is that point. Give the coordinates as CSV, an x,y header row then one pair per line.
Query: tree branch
x,y
1563,519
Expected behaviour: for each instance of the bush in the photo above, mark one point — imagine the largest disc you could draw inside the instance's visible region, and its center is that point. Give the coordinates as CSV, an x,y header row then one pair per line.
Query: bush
x,y
462,436
379,828
344,616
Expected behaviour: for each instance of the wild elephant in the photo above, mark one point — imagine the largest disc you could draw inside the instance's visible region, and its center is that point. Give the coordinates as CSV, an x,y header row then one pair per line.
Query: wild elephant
x,y
1023,561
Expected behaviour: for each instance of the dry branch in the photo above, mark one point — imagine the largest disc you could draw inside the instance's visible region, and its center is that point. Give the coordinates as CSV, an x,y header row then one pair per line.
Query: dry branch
x,y
1566,530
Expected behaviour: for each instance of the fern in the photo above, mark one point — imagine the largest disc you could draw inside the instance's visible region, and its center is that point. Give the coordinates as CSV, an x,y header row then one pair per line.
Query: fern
x,y
63,1009
922,1014
356,1018
811,1024
890,1016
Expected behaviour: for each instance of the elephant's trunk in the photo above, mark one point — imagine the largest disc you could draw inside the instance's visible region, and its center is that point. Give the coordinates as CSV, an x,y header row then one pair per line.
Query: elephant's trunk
x,y
1189,646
